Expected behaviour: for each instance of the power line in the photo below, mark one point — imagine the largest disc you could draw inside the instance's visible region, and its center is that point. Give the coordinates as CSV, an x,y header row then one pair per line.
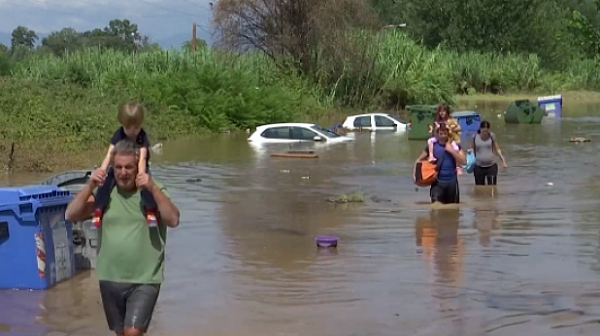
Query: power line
x,y
197,4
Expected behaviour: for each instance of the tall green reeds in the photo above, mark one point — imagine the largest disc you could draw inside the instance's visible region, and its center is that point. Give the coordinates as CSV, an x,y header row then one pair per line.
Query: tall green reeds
x,y
202,91
389,69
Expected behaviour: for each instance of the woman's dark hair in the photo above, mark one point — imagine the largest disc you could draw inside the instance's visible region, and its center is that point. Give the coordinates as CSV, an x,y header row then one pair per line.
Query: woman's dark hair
x,y
484,124
442,107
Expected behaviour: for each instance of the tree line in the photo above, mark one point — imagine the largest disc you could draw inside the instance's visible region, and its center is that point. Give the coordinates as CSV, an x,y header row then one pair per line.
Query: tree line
x,y
119,34
302,31
556,31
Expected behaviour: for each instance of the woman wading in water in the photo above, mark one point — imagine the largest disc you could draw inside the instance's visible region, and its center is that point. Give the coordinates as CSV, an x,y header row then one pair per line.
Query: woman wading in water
x,y
485,146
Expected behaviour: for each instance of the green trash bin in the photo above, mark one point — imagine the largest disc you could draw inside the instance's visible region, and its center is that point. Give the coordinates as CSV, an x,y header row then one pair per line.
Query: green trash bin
x,y
524,112
420,121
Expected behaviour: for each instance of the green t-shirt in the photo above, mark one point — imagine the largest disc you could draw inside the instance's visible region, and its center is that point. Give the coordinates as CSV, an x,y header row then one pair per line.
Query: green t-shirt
x,y
129,250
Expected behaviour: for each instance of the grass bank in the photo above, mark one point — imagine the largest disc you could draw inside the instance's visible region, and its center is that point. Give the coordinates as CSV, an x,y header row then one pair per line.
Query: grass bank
x,y
574,99
55,107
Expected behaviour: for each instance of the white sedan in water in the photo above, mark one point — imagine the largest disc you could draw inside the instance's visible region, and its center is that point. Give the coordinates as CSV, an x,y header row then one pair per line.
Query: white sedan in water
x,y
295,132
374,122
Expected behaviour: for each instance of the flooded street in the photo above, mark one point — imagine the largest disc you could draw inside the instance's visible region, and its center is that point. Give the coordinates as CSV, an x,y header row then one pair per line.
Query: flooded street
x,y
521,258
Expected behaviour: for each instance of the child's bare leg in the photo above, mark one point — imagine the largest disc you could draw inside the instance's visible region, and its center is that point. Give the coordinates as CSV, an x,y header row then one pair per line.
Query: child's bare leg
x,y
142,161
430,143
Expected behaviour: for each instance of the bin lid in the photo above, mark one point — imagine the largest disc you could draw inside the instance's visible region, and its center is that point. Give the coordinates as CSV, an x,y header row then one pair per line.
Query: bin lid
x,y
421,107
459,114
72,180
550,98
39,193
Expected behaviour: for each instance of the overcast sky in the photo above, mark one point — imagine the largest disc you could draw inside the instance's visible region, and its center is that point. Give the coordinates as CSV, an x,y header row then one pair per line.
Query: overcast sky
x,y
160,19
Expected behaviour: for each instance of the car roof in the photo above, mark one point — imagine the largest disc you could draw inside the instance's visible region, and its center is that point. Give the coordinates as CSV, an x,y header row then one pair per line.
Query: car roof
x,y
367,114
285,125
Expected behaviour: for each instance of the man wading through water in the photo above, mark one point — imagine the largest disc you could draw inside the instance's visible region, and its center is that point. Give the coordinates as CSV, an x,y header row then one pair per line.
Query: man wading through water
x,y
130,261
445,190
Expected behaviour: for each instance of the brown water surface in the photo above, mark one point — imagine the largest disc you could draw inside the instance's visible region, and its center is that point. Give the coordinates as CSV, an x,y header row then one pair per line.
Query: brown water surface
x,y
519,259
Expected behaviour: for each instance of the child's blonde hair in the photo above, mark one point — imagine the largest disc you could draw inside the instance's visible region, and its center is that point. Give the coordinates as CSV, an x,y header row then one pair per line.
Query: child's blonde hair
x,y
131,114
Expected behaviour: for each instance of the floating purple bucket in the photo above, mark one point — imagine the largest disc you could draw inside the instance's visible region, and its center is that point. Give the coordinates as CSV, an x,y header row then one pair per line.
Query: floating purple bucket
x,y
326,241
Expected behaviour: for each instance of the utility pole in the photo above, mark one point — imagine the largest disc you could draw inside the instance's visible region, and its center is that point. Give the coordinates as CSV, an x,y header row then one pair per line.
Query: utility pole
x,y
194,37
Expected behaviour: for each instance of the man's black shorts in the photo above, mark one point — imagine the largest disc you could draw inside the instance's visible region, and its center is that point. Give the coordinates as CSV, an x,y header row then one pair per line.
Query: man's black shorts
x,y
445,193
128,305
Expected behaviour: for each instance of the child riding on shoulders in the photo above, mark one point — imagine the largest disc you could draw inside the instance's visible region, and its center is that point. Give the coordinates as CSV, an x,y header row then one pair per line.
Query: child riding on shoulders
x,y
131,118
443,117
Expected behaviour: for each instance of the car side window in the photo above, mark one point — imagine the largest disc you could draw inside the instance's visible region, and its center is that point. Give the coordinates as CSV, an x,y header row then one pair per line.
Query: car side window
x,y
384,122
362,121
277,133
301,133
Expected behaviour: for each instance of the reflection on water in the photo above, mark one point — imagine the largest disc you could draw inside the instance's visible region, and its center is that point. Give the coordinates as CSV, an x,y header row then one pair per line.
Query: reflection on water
x,y
486,222
443,251
521,257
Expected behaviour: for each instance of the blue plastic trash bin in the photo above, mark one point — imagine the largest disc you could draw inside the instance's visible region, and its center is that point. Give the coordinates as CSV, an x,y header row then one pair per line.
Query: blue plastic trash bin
x,y
552,105
36,242
468,121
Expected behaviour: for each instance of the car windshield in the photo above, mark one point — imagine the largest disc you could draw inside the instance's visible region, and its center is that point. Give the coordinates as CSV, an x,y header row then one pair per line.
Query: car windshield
x,y
396,118
327,132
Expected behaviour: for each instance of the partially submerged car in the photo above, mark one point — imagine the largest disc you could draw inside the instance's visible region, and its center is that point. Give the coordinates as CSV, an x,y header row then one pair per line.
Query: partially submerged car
x,y
295,132
374,122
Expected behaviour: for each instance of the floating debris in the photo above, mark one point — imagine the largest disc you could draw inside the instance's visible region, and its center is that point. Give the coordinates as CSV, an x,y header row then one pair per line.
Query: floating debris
x,y
326,241
356,197
300,152
157,148
377,199
193,180
579,140
297,154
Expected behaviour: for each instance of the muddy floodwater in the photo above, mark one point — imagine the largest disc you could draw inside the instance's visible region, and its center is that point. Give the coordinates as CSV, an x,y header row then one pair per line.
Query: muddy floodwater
x,y
519,259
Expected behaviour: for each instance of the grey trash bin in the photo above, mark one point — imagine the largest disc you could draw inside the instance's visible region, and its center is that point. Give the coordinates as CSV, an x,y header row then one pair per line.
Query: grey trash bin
x,y
85,235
